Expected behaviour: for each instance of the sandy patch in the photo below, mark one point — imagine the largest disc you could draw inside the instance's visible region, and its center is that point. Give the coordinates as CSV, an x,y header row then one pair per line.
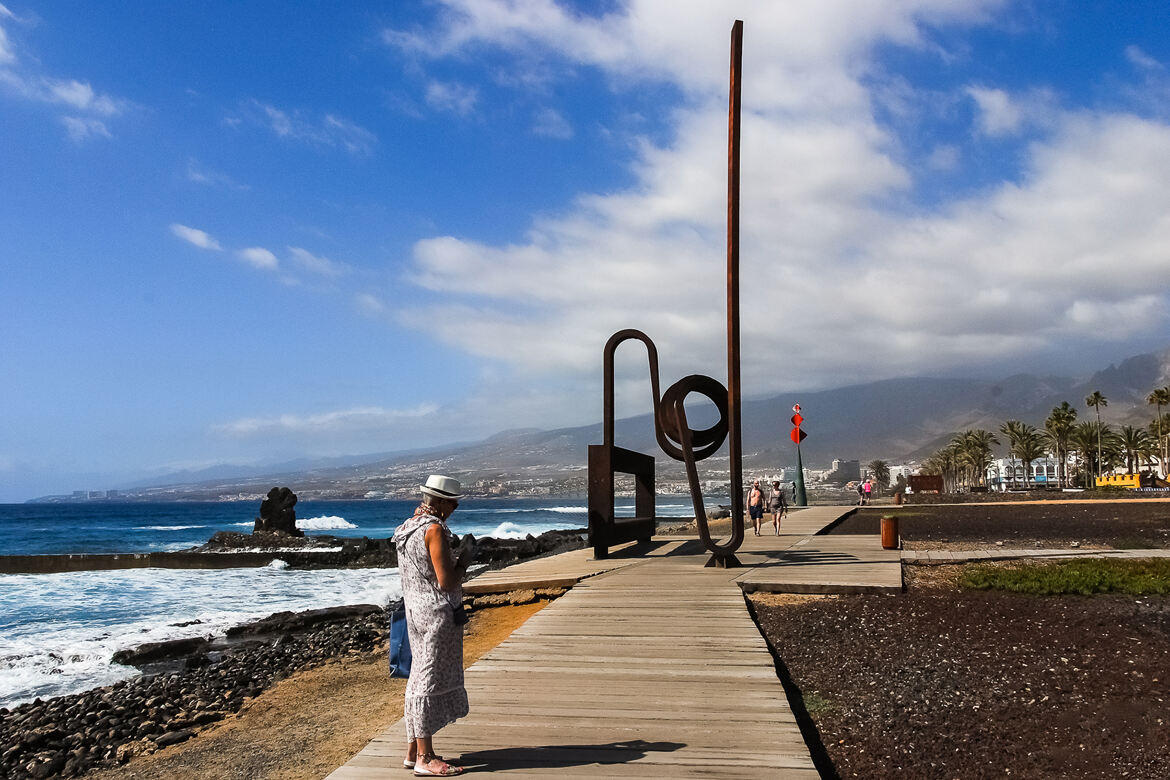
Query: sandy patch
x,y
311,723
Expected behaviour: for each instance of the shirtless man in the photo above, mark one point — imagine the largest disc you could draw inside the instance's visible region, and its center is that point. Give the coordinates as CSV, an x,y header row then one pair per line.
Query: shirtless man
x,y
756,506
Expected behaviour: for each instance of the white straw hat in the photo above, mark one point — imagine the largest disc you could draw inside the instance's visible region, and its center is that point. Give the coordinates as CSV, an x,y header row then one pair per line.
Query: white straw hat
x,y
442,487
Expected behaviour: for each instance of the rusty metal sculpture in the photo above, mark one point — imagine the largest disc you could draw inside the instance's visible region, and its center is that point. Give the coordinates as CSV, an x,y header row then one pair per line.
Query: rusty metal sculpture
x,y
672,431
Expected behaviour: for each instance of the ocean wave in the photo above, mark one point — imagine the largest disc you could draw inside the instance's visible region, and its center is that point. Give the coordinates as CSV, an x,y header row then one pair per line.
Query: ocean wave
x,y
277,563
324,523
274,550
172,527
42,656
510,530
569,510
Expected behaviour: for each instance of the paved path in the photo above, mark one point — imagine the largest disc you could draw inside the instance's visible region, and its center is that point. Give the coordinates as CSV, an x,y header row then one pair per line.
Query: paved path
x,y
1007,553
650,666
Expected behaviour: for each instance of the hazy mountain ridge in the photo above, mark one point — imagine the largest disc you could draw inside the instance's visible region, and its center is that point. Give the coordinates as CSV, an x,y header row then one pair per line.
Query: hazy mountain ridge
x,y
894,419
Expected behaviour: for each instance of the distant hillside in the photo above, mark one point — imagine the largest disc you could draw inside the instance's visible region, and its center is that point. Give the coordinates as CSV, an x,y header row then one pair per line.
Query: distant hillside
x,y
896,419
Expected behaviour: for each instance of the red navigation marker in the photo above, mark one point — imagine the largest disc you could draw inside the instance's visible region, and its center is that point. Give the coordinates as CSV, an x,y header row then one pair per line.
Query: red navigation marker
x,y
797,434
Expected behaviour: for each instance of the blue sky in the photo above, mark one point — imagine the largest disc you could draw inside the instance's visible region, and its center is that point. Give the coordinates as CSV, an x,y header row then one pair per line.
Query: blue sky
x,y
245,233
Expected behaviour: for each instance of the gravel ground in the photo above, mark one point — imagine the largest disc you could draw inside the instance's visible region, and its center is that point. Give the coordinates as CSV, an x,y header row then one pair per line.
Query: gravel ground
x,y
943,683
1121,524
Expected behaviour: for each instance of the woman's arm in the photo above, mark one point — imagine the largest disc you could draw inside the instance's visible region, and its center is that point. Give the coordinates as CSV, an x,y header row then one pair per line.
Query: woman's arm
x,y
446,572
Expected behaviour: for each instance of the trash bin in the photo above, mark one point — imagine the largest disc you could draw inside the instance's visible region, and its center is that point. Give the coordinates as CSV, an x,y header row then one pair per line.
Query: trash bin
x,y
890,532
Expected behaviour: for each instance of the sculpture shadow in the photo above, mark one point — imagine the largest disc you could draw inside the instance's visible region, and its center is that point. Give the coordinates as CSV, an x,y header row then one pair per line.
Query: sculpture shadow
x,y
562,756
811,558
637,549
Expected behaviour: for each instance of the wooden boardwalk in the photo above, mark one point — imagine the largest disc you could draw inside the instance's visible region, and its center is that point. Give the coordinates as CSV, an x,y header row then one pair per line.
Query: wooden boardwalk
x,y
650,666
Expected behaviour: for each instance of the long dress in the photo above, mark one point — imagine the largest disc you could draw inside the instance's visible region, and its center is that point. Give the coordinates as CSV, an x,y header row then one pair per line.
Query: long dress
x,y
435,695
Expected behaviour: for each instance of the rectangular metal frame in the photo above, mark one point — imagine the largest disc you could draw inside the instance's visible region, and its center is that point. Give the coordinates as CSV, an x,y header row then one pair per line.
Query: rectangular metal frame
x,y
606,530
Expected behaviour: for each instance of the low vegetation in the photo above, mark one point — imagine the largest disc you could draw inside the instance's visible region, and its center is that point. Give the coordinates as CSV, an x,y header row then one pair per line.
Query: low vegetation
x,y
1084,577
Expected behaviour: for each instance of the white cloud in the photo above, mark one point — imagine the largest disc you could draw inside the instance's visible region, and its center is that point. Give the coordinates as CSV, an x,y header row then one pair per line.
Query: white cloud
x,y
452,98
360,419
7,55
1001,114
201,175
81,96
315,263
944,157
551,124
1140,59
259,257
837,278
81,128
24,80
196,237
370,305
330,130
998,114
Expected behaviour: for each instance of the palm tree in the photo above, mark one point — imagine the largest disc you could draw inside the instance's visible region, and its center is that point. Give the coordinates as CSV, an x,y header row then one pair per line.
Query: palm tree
x,y
1135,441
1030,447
1013,430
1059,427
1160,398
1081,441
880,471
1096,400
945,464
974,446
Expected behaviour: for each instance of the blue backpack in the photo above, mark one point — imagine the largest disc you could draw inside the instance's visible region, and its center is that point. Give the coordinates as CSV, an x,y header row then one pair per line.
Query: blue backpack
x,y
399,644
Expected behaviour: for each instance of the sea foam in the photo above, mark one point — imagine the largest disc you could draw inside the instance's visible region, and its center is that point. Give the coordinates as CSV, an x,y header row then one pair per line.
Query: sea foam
x,y
324,523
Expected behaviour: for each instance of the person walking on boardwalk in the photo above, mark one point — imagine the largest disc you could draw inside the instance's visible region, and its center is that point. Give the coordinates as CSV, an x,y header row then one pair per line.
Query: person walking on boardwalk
x,y
778,503
756,505
432,593
868,488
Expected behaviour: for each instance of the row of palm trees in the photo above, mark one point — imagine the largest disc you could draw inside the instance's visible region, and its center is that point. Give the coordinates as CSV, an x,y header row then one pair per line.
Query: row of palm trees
x,y
1093,446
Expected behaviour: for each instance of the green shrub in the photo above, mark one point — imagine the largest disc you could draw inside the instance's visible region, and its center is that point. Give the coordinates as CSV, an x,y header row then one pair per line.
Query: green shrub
x,y
1082,576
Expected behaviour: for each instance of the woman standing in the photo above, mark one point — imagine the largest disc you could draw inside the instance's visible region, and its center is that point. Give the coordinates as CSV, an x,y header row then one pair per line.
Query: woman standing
x,y
432,592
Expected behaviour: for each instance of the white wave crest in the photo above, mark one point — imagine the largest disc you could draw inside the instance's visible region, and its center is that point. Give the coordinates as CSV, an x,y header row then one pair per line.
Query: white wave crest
x,y
172,527
324,523
509,530
277,563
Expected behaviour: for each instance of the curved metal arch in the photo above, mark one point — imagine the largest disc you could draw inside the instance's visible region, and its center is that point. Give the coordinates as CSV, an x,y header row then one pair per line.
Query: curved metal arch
x,y
678,440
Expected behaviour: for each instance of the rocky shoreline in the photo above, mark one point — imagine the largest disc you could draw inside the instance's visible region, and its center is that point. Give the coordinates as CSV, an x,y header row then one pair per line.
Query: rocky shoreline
x,y
228,549
189,683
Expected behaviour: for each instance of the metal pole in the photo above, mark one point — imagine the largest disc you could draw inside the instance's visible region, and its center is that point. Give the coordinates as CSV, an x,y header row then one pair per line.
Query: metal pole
x,y
734,427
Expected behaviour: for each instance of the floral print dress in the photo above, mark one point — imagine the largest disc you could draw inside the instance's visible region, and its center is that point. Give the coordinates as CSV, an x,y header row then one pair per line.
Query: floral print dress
x,y
435,695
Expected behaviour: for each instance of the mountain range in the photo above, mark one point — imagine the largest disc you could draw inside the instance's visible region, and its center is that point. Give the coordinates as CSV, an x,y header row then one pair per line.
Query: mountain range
x,y
895,419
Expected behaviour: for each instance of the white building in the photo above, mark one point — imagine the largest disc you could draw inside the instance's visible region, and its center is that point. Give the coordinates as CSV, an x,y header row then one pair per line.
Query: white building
x,y
1009,473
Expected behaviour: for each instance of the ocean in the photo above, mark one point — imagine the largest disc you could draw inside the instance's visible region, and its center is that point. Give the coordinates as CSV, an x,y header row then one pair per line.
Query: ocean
x,y
59,631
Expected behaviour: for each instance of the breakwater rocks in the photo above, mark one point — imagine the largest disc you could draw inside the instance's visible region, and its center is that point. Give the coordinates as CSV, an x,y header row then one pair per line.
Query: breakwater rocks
x,y
207,681
228,549
338,551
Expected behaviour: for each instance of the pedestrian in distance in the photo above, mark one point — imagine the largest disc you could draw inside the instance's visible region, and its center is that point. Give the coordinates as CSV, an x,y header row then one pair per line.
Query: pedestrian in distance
x,y
756,505
778,503
868,490
860,493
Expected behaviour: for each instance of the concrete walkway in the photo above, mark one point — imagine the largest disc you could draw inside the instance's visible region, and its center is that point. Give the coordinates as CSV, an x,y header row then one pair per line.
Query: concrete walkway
x,y
929,557
651,666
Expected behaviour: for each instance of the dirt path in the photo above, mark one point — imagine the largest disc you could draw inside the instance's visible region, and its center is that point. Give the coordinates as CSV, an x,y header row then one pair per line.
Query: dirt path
x,y
311,723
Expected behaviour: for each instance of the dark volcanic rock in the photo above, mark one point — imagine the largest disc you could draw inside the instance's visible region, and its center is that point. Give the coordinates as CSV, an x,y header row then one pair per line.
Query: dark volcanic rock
x,y
161,651
277,513
284,622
